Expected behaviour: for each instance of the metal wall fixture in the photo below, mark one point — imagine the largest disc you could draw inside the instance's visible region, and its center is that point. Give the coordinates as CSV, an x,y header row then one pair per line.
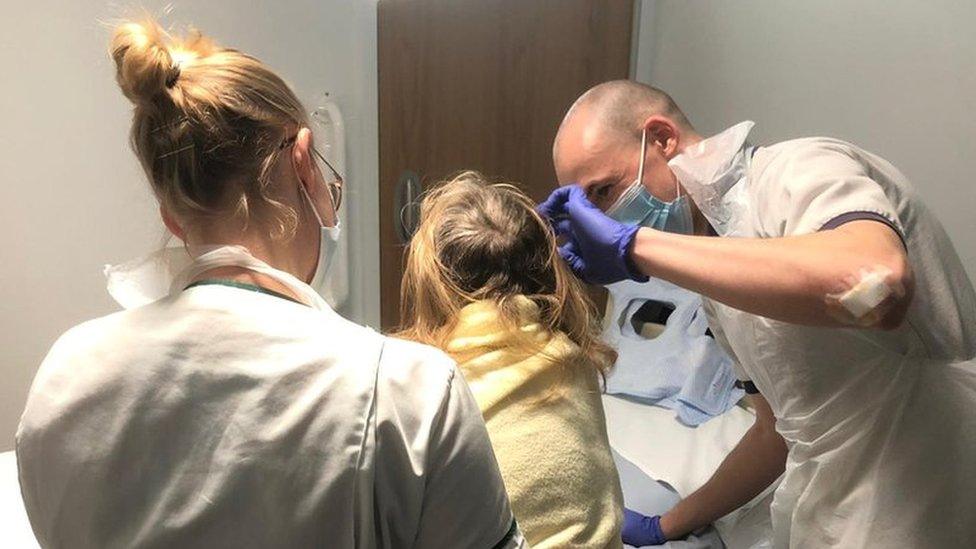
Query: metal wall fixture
x,y
406,208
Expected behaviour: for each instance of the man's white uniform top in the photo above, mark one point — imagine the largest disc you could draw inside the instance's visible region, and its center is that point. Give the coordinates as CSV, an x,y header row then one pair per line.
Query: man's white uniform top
x,y
880,425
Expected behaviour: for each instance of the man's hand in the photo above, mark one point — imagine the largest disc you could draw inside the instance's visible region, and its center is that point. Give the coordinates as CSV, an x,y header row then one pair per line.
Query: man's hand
x,y
597,248
755,463
640,530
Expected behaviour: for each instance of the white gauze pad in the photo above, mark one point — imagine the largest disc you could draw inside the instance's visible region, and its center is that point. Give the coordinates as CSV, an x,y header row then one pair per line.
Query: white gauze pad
x,y
868,293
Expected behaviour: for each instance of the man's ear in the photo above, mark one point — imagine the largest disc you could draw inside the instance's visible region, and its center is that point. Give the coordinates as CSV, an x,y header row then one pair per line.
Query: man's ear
x,y
301,156
170,221
663,134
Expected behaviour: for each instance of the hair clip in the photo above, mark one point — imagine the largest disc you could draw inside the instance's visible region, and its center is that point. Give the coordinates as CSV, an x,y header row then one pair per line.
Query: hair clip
x,y
168,125
177,151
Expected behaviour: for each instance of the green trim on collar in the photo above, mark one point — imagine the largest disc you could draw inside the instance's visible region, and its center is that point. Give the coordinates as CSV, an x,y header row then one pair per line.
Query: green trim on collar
x,y
242,286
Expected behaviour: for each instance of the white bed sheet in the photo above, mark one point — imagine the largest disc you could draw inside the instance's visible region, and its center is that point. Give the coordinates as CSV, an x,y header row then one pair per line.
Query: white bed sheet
x,y
686,457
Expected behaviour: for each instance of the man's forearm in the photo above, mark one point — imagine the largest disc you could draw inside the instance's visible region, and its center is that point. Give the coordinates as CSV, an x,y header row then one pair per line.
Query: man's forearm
x,y
757,461
787,279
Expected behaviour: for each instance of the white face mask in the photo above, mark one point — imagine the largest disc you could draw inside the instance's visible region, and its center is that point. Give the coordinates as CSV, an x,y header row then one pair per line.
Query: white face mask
x,y
328,242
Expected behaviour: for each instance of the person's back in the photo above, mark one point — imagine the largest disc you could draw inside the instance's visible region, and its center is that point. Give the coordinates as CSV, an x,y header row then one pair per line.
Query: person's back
x,y
194,422
483,282
228,405
546,422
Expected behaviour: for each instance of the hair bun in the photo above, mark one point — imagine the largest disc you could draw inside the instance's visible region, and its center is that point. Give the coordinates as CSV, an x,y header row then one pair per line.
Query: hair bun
x,y
144,65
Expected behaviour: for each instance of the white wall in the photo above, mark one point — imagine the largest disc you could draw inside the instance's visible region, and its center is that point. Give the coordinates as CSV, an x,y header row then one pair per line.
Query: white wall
x,y
72,196
894,76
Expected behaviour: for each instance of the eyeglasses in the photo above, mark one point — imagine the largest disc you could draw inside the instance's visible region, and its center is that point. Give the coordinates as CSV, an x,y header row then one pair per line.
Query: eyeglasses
x,y
333,185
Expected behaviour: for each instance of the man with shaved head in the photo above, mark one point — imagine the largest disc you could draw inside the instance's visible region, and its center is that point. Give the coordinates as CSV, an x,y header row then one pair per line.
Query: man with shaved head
x,y
600,137
838,294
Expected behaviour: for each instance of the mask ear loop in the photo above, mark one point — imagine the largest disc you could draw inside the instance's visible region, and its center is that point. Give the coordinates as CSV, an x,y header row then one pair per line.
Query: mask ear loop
x,y
634,184
677,187
308,197
640,168
311,204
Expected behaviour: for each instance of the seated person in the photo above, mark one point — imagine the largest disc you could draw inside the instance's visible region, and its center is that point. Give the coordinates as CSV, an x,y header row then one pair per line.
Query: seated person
x,y
484,283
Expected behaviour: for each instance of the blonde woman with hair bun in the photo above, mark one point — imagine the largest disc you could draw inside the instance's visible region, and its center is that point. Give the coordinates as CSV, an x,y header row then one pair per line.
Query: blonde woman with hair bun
x,y
483,281
227,405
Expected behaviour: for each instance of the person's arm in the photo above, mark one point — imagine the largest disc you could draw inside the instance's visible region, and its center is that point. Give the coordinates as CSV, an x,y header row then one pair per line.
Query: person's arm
x,y
788,278
435,479
756,461
826,223
465,501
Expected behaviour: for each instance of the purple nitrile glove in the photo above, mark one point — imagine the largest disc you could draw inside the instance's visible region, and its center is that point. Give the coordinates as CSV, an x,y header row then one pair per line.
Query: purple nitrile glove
x,y
597,247
640,530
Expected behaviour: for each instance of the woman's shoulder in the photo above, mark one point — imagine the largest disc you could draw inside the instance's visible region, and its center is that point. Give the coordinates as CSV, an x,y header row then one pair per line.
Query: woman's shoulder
x,y
420,382
86,336
415,364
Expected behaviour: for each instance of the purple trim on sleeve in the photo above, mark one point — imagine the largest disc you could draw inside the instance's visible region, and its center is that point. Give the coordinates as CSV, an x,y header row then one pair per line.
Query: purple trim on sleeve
x,y
858,216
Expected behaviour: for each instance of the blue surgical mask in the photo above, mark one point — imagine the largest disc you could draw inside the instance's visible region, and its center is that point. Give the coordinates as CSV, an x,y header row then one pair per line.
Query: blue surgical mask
x,y
637,206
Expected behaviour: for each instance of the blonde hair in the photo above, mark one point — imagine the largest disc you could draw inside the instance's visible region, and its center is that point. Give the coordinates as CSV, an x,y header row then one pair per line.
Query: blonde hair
x,y
477,241
207,125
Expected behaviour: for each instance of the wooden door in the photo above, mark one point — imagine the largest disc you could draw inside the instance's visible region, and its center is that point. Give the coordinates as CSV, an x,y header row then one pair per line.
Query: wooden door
x,y
482,84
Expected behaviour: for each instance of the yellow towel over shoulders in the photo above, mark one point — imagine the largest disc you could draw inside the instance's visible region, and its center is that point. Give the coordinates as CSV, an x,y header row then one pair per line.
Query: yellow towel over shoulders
x,y
546,421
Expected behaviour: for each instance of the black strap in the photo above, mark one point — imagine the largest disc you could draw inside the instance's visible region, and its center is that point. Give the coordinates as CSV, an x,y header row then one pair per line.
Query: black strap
x,y
512,530
748,386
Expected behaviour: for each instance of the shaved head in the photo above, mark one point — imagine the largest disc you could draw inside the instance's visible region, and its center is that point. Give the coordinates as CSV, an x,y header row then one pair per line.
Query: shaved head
x,y
619,108
598,145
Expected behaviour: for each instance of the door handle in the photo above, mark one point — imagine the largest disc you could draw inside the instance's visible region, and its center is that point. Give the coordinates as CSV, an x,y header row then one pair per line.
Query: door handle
x,y
406,205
